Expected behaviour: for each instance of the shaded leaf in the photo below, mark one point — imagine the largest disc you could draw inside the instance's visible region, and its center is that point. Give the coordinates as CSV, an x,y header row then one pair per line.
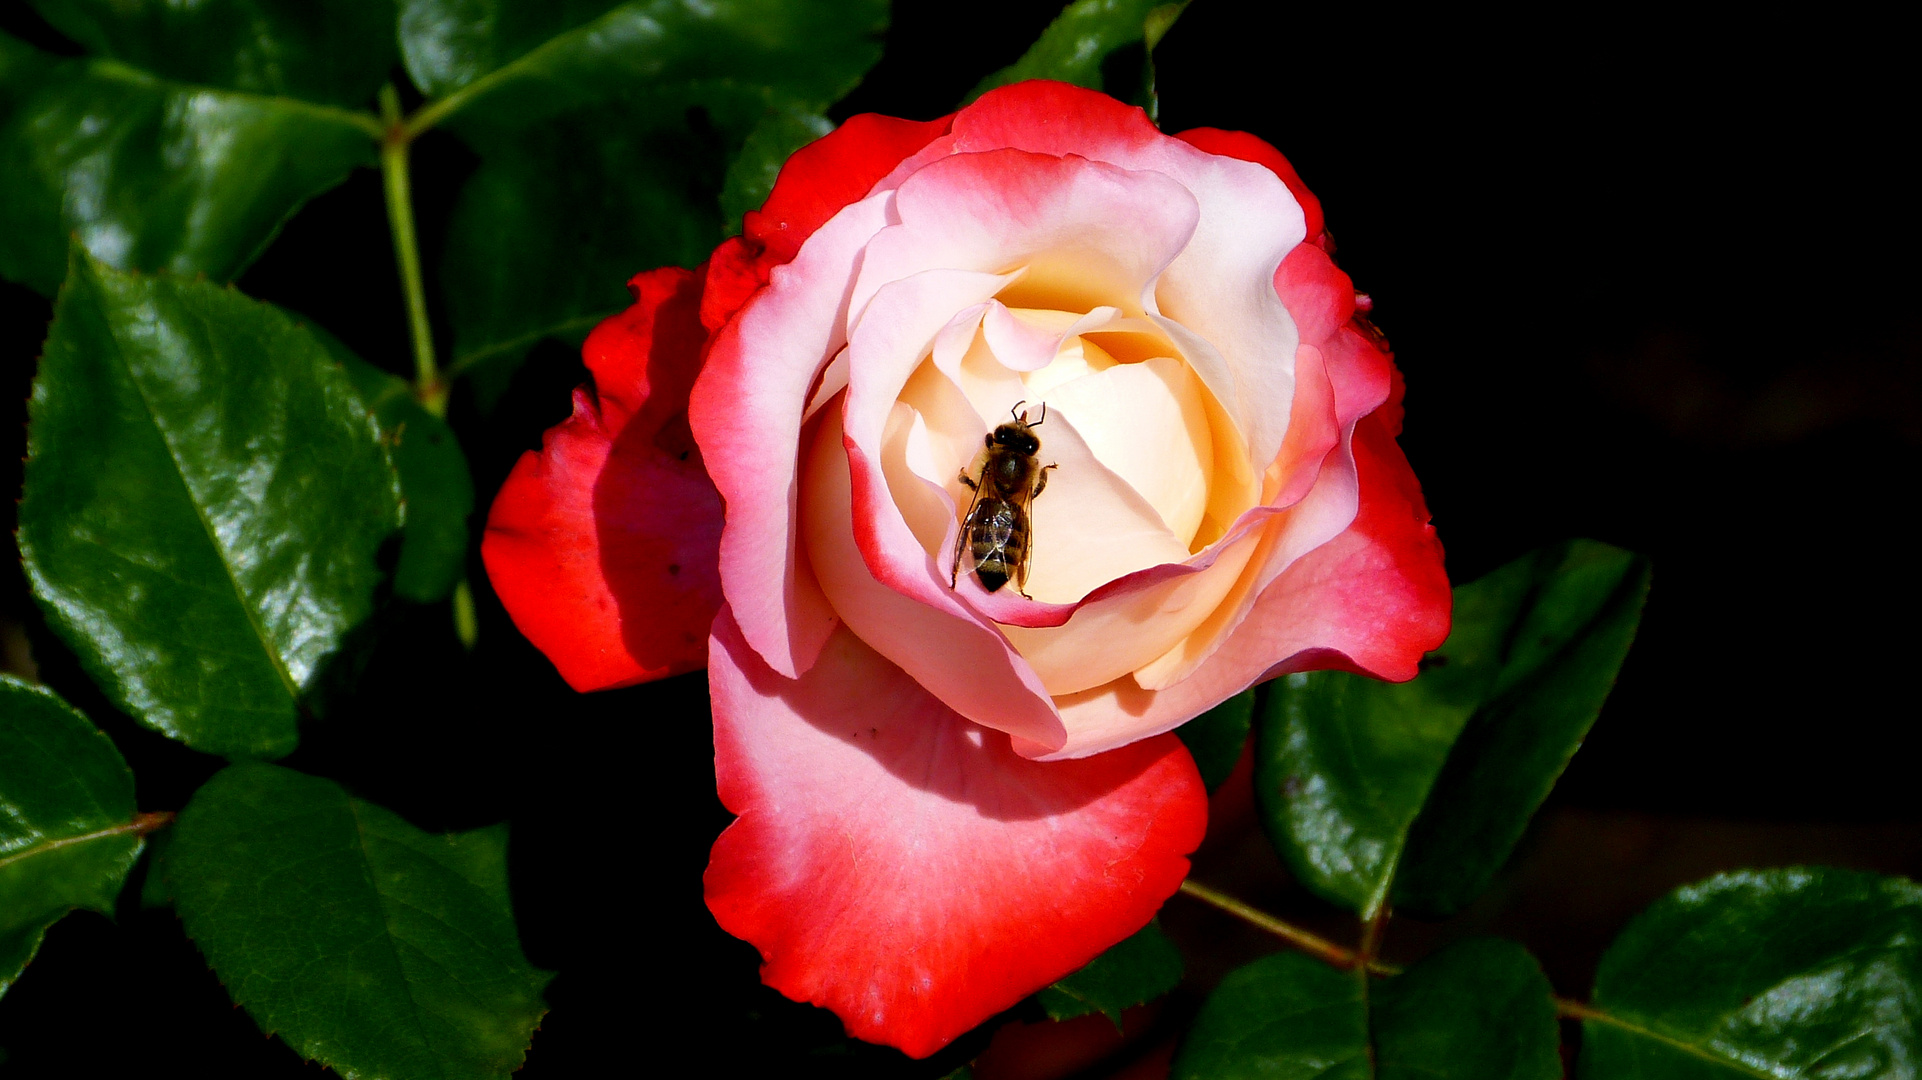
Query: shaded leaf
x,y
154,890
368,945
153,173
334,52
1349,770
434,480
605,133
1105,45
1477,1010
1802,972
535,251
505,65
751,175
1283,1017
1134,972
1217,737
1582,604
204,496
67,832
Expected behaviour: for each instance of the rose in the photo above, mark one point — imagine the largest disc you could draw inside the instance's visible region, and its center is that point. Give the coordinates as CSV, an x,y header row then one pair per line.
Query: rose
x,y
948,796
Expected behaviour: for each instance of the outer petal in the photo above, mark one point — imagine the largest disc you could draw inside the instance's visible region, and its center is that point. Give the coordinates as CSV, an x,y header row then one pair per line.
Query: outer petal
x,y
1372,601
830,173
1240,144
603,546
905,868
1216,290
747,409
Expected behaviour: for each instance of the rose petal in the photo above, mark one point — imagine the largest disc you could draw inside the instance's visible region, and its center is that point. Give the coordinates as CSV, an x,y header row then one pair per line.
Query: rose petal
x,y
919,623
1371,601
830,174
604,546
1087,234
746,411
1149,423
1240,144
903,867
1217,288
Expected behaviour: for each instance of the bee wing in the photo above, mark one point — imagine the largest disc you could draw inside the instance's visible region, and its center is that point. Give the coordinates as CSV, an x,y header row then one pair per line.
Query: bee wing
x,y
1024,522
962,544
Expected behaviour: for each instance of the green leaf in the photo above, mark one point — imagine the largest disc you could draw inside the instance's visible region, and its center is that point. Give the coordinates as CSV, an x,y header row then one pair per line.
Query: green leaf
x,y
1217,737
324,51
67,829
204,496
154,890
1350,771
1134,972
1581,602
368,945
536,251
605,133
154,173
434,479
1081,44
509,64
1283,1017
751,175
1803,972
1477,1010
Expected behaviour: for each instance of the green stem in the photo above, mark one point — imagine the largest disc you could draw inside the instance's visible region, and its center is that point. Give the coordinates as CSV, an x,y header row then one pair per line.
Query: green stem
x,y
428,386
466,623
1311,943
1327,951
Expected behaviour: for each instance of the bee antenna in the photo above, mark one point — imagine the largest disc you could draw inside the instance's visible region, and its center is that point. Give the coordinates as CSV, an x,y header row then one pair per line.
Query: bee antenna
x,y
1016,411
1044,416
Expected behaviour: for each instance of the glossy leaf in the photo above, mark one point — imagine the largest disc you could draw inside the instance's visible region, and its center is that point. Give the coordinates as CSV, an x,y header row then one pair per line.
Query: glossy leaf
x,y
204,496
1134,972
1478,1010
1764,973
606,132
1217,737
751,175
1083,43
509,64
1283,1017
324,51
1347,769
67,830
1583,603
434,480
154,173
368,945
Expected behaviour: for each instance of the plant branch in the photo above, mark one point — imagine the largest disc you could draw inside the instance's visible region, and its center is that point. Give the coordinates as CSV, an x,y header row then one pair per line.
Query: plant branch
x,y
1313,944
428,386
1322,949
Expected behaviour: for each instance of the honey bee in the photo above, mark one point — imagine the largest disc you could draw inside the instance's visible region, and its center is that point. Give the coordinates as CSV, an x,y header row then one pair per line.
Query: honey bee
x,y
1008,477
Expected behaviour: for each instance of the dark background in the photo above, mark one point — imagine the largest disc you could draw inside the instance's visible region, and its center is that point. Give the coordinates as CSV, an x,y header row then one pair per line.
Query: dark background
x,y
1651,281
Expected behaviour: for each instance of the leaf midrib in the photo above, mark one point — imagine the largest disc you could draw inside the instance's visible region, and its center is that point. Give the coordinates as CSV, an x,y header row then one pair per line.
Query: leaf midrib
x,y
221,554
391,937
20,855
1641,1026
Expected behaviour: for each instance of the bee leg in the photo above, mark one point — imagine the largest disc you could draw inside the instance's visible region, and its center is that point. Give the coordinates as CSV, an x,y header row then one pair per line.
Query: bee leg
x,y
1041,479
968,480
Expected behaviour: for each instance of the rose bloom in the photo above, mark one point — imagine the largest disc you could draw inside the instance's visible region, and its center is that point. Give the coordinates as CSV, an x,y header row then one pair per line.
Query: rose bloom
x,y
949,797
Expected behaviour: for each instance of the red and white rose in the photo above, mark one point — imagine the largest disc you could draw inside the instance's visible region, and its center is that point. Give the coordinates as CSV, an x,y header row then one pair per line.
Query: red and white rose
x,y
949,797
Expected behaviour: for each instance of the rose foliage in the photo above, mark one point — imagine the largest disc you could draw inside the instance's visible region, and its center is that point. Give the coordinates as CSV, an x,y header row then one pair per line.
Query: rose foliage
x,y
951,796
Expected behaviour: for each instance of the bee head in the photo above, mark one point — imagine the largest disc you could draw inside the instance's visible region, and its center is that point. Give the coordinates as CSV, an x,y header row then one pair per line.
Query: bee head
x,y
1015,436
